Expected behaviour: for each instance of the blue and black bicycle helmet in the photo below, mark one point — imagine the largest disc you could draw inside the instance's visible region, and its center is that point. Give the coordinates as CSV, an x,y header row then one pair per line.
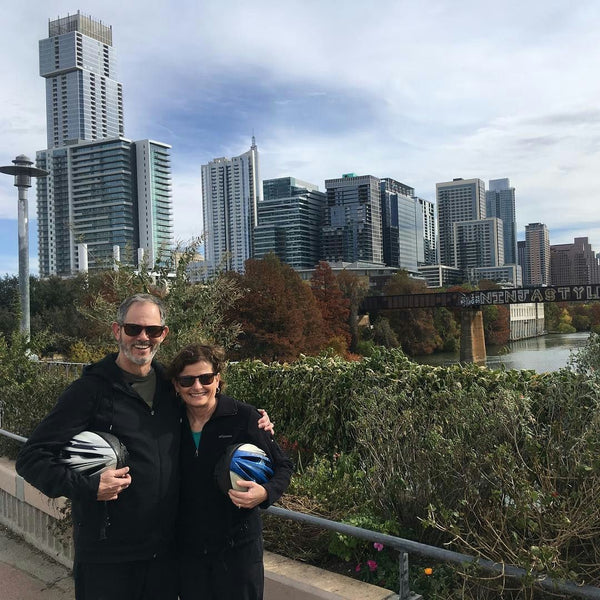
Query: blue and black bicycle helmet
x,y
242,461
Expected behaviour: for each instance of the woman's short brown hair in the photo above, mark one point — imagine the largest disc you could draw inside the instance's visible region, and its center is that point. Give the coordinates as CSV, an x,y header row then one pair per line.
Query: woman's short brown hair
x,y
215,355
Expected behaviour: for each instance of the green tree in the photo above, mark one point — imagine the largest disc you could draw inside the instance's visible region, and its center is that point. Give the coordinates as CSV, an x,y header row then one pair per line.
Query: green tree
x,y
196,311
564,322
9,305
383,334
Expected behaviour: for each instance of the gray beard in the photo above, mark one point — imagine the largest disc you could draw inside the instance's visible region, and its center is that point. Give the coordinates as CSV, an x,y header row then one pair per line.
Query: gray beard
x,y
138,360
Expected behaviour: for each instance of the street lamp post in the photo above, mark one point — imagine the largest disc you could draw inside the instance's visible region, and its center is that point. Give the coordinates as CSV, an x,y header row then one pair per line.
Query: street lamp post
x,y
23,172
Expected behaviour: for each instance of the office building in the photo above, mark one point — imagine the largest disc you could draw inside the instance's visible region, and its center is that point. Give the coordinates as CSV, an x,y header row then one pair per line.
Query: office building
x,y
402,226
537,255
231,190
105,194
505,275
84,100
478,243
427,211
500,203
574,264
352,231
106,198
522,261
441,276
457,200
290,217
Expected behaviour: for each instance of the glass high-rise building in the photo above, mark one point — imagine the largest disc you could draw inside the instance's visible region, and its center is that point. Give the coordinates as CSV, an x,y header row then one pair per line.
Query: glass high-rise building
x,y
231,190
457,200
84,101
500,203
106,194
402,223
290,217
352,231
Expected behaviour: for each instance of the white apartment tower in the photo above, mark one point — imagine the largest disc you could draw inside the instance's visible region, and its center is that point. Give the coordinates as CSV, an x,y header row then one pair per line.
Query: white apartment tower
x,y
231,190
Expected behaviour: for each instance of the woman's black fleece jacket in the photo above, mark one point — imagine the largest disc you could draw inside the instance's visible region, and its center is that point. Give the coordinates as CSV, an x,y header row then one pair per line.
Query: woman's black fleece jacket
x,y
208,521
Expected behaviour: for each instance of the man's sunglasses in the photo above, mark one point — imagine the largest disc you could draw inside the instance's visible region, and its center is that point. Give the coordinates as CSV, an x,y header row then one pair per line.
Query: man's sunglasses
x,y
152,331
188,380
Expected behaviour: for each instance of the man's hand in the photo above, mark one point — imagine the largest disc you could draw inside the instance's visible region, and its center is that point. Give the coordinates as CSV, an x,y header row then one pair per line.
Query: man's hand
x,y
113,482
253,496
265,423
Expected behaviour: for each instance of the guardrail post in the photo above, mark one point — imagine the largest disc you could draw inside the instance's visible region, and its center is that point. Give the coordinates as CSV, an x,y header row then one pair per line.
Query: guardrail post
x,y
404,589
404,592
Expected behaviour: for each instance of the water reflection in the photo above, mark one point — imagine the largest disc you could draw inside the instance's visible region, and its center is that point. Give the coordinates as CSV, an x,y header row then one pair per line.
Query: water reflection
x,y
545,353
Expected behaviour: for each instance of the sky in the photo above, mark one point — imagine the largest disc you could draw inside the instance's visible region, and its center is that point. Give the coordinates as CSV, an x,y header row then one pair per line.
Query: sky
x,y
421,92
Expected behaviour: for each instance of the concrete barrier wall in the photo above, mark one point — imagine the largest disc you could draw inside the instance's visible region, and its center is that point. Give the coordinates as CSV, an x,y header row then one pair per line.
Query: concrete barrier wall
x,y
29,513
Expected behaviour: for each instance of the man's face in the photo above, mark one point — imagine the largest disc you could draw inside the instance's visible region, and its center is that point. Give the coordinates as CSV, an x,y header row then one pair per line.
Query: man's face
x,y
139,349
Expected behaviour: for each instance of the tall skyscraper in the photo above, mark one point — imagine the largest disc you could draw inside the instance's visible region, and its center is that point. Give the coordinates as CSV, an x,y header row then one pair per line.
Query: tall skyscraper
x,y
402,222
430,249
231,190
574,264
105,195
500,203
290,217
537,255
84,101
352,230
457,200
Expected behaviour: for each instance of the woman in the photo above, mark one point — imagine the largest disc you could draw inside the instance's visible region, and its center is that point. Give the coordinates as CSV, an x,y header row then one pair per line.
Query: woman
x,y
219,535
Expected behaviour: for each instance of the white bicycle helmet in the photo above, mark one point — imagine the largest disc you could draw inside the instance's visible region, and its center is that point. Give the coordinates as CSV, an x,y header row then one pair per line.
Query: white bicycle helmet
x,y
92,452
242,461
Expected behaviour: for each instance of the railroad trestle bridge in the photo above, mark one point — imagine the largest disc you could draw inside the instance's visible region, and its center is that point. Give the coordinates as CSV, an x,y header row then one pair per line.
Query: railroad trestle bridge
x,y
472,341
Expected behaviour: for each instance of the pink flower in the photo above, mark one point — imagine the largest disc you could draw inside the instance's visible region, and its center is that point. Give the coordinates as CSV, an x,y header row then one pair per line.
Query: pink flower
x,y
372,565
358,567
378,546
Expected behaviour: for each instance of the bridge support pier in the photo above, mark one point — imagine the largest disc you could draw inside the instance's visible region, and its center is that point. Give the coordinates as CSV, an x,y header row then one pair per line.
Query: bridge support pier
x,y
472,340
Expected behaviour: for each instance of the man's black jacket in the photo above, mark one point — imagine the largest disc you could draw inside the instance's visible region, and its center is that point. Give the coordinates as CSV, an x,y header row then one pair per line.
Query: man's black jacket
x,y
140,523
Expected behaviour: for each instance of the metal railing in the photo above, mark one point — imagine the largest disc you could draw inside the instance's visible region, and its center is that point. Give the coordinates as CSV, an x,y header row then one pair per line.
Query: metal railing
x,y
405,547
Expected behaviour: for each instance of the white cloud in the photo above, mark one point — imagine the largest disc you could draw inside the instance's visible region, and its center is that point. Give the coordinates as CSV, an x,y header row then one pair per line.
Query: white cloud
x,y
422,92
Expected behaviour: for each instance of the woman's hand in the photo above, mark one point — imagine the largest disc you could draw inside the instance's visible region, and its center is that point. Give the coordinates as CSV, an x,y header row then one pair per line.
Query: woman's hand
x,y
254,495
265,423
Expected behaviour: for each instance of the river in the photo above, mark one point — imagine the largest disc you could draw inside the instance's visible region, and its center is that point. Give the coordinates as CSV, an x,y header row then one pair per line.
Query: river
x,y
544,353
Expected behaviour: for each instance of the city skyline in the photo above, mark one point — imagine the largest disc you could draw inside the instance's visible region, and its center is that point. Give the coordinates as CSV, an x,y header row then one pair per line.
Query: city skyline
x,y
472,90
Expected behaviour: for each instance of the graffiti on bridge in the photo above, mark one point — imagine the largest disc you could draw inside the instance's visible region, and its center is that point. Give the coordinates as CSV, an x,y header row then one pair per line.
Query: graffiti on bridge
x,y
562,293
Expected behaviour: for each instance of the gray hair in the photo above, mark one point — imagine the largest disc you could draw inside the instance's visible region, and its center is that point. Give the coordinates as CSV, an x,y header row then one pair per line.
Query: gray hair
x,y
126,305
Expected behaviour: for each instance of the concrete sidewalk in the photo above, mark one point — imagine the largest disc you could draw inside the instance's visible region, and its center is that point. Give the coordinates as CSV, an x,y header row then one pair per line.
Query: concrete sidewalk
x,y
28,574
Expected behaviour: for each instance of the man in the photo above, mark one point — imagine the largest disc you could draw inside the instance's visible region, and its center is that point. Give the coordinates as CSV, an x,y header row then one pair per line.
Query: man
x,y
123,519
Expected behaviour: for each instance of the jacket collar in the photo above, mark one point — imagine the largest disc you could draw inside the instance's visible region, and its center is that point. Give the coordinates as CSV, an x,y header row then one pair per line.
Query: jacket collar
x,y
225,407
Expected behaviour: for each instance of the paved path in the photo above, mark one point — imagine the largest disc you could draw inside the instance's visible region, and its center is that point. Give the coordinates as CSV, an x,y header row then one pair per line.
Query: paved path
x,y
28,574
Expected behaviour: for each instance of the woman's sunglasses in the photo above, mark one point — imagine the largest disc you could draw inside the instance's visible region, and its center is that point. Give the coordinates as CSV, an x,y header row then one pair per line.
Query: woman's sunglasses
x,y
188,380
133,330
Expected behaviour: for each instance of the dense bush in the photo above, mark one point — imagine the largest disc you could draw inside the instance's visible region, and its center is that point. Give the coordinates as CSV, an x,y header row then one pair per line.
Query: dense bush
x,y
499,464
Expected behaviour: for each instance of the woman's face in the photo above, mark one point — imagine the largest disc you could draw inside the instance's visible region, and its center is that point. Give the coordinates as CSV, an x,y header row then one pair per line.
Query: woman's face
x,y
197,395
